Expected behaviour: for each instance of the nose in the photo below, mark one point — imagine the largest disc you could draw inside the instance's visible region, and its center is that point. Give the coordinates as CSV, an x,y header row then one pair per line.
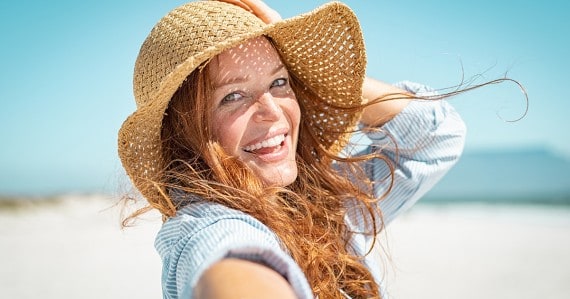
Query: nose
x,y
267,108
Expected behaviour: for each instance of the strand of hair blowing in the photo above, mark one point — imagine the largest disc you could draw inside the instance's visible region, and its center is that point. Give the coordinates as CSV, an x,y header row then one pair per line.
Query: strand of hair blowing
x,y
307,216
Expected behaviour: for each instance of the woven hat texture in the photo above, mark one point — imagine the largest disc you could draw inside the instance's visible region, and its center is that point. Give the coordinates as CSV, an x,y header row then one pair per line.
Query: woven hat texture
x,y
323,48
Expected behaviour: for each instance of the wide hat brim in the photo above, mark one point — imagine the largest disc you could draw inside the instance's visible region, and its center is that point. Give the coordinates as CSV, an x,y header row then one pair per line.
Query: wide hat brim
x,y
323,48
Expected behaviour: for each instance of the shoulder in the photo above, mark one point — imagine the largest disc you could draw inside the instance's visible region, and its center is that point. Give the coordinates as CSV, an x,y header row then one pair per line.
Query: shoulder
x,y
203,233
202,223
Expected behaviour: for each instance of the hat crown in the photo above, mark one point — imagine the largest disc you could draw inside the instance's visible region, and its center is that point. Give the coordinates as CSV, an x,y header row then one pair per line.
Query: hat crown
x,y
194,31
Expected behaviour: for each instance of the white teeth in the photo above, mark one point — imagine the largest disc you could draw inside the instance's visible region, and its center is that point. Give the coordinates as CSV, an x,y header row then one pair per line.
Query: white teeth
x,y
271,142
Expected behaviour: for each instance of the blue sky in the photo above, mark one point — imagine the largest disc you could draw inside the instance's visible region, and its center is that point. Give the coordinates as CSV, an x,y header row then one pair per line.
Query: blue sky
x,y
66,71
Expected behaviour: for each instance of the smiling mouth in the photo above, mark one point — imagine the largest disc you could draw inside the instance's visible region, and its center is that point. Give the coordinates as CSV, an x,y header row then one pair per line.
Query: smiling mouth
x,y
266,146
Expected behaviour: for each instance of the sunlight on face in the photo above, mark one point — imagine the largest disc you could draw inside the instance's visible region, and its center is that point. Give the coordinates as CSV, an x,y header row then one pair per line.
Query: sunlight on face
x,y
255,115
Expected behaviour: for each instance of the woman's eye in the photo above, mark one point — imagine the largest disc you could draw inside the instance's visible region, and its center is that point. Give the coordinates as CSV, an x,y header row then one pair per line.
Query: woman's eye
x,y
279,82
232,97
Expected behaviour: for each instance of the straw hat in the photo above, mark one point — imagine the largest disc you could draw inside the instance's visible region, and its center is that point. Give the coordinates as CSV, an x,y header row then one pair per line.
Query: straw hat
x,y
324,48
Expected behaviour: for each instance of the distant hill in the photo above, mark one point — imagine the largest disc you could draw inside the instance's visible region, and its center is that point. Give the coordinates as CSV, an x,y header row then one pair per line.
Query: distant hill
x,y
525,176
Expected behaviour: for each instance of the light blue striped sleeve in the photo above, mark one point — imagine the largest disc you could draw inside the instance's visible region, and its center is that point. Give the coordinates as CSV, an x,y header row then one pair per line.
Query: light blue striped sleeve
x,y
203,233
423,142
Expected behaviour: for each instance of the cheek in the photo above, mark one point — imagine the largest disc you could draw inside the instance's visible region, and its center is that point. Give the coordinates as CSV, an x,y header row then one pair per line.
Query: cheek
x,y
294,112
298,111
227,132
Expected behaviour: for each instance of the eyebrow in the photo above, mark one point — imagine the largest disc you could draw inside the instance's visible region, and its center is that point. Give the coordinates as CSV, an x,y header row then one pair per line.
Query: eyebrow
x,y
234,80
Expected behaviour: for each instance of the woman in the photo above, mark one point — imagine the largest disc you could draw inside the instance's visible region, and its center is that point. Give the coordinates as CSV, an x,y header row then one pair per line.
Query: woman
x,y
273,160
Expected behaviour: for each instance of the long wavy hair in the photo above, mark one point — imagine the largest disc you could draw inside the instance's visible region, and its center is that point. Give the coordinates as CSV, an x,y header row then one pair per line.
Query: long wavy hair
x,y
308,216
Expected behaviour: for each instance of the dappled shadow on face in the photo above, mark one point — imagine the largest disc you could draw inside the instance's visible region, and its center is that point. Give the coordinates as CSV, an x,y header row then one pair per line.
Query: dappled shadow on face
x,y
244,61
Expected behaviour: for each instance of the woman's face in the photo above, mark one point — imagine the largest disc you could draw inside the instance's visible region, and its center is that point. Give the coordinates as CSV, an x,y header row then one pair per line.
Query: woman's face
x,y
255,115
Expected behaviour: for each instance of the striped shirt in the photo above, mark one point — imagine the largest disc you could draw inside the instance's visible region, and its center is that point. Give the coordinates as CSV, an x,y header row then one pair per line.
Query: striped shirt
x,y
429,137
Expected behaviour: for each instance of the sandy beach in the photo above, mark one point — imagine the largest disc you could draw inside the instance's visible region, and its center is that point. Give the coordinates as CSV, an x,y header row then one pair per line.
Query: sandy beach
x,y
74,248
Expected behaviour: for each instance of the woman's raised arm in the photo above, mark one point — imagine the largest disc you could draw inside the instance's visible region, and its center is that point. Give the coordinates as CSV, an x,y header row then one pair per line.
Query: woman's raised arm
x,y
391,101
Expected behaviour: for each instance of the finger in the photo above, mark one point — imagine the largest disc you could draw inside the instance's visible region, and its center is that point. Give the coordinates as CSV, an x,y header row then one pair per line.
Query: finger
x,y
262,11
238,3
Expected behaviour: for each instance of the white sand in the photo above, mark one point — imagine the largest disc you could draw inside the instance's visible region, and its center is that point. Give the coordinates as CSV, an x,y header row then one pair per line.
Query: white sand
x,y
75,249
470,251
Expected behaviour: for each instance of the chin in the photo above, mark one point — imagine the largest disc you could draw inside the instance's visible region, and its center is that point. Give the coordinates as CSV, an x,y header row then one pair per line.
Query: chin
x,y
281,178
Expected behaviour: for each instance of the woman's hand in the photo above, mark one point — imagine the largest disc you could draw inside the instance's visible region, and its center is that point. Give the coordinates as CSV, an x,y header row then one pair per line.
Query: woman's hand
x,y
258,8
